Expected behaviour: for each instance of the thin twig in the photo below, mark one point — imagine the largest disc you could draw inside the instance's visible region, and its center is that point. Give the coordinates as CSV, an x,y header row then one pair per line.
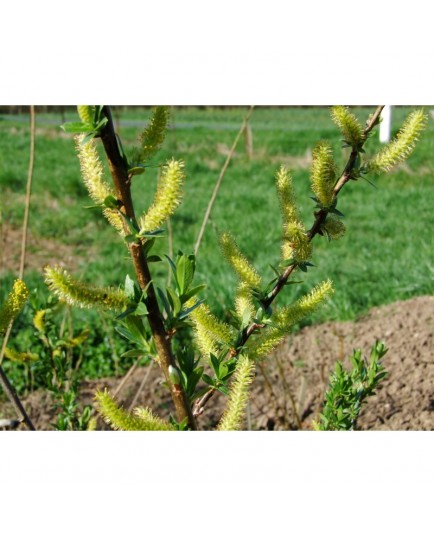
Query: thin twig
x,y
28,192
15,401
142,385
127,375
219,180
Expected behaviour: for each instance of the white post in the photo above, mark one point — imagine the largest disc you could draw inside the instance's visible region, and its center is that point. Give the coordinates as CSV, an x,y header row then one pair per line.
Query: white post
x,y
386,124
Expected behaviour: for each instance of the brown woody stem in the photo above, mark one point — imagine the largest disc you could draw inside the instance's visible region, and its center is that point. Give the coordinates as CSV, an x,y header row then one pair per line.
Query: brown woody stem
x,y
121,180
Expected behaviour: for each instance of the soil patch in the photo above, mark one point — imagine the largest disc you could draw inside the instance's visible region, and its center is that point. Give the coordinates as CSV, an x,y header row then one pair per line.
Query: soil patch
x,y
289,386
40,251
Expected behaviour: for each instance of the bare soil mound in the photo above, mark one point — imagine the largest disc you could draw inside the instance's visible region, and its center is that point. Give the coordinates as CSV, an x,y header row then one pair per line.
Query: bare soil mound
x,y
290,385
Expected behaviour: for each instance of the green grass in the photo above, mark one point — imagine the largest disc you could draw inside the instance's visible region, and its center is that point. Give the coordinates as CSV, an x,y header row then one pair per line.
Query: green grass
x,y
386,254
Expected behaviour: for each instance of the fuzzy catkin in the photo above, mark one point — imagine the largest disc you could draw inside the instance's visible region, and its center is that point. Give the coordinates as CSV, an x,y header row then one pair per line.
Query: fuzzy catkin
x,y
238,395
93,177
167,198
348,124
239,263
13,304
81,295
402,146
209,331
323,174
142,419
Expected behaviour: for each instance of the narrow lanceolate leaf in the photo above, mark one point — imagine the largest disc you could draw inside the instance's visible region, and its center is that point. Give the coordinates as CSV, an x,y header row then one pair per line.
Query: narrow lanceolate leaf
x,y
306,305
238,395
82,295
93,173
239,263
119,419
13,304
347,122
323,174
400,148
153,136
167,197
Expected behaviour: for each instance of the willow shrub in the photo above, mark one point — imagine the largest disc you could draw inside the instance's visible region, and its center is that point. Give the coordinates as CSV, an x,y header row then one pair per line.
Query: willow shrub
x,y
222,355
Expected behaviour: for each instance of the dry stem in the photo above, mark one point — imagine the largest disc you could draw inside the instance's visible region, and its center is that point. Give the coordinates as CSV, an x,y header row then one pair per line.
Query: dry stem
x,y
219,180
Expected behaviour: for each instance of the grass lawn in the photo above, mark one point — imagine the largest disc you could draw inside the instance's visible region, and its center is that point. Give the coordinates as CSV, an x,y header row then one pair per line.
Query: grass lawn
x,y
386,254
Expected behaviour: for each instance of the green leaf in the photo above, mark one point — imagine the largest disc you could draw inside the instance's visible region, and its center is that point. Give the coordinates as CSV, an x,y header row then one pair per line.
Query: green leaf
x,y
165,302
137,170
192,292
186,312
215,364
141,309
174,301
130,239
133,353
129,287
207,379
77,127
185,272
111,202
128,335
154,258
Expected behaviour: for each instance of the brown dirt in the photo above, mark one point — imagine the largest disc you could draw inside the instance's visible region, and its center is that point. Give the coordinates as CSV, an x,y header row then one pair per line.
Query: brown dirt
x,y
297,375
40,251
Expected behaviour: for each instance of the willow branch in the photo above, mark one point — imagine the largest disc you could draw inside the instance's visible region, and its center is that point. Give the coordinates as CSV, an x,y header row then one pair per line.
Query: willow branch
x,y
121,181
320,217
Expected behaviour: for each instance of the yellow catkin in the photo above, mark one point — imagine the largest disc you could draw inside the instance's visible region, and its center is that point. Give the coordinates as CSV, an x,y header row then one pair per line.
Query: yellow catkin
x,y
39,320
167,197
239,263
285,193
263,344
402,146
81,295
119,419
334,227
244,305
296,244
323,174
348,124
86,113
20,357
208,330
234,414
306,305
93,177
154,134
13,304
